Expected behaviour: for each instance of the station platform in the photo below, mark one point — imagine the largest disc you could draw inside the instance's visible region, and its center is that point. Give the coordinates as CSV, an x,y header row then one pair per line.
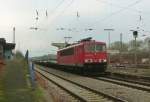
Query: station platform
x,y
14,82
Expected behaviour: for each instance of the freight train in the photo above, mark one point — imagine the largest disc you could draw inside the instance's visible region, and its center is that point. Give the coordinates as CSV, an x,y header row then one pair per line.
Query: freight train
x,y
87,54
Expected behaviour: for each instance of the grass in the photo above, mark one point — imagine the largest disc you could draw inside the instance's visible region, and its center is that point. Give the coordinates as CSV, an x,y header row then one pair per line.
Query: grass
x,y
38,94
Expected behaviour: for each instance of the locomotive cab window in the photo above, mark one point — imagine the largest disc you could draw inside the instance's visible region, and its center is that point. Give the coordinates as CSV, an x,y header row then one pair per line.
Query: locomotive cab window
x,y
99,47
95,48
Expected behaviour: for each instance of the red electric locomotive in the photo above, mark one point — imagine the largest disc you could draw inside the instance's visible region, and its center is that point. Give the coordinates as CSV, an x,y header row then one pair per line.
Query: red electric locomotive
x,y
86,55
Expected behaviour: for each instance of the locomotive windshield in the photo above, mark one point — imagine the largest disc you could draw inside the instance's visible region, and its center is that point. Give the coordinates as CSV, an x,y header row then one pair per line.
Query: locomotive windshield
x,y
95,48
100,47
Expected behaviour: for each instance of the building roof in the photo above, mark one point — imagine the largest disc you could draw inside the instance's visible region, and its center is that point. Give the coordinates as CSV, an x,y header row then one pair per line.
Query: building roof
x,y
7,46
2,41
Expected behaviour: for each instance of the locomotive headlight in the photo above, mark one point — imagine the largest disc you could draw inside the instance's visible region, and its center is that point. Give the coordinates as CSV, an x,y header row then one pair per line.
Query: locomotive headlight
x,y
86,60
105,60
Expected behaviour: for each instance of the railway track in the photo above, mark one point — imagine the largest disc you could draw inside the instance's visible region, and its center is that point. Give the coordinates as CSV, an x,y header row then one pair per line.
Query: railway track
x,y
107,89
144,79
80,92
136,80
127,83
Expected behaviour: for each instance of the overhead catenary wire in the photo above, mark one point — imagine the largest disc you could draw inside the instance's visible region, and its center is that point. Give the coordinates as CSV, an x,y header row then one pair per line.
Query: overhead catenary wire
x,y
114,13
54,9
63,11
118,6
54,16
46,13
122,9
36,15
103,19
58,5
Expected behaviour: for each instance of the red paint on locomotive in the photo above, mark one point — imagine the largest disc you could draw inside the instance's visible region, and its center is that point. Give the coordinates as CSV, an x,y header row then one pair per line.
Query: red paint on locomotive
x,y
85,53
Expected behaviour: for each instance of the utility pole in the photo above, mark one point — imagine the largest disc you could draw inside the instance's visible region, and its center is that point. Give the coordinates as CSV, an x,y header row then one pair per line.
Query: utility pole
x,y
14,31
109,30
120,47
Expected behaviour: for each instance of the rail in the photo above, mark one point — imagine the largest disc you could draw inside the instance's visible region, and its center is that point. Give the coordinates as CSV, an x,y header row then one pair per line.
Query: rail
x,y
84,97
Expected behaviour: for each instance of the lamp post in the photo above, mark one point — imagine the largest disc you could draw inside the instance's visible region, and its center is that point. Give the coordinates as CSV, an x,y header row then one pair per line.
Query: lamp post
x,y
14,30
67,37
149,50
120,47
109,30
109,41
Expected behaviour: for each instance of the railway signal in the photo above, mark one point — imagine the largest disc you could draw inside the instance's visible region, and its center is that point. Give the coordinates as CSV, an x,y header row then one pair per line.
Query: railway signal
x,y
135,35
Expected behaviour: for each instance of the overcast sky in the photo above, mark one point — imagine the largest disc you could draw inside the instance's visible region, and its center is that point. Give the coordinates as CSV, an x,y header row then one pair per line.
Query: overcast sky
x,y
121,15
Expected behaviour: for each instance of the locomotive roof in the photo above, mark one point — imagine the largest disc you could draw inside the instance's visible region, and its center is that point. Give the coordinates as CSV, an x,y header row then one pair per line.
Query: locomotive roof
x,y
81,43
